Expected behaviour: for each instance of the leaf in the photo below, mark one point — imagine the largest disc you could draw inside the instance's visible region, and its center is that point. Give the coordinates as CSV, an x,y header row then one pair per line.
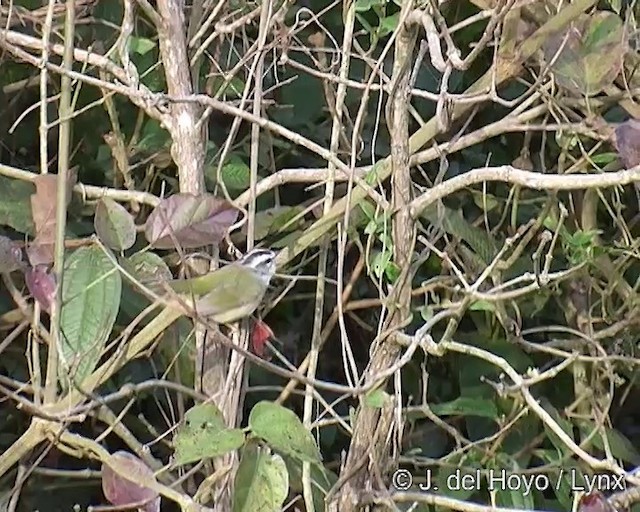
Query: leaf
x,y
467,406
141,45
273,220
204,435
43,211
15,207
283,431
236,175
564,424
260,334
147,267
261,483
42,286
190,220
10,256
454,223
621,447
627,142
154,137
576,56
121,491
91,289
388,24
376,398
322,480
595,502
114,225
366,5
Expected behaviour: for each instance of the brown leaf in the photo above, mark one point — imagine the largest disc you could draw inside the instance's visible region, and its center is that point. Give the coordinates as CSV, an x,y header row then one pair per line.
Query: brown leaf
x,y
43,211
121,491
10,256
576,55
627,142
189,220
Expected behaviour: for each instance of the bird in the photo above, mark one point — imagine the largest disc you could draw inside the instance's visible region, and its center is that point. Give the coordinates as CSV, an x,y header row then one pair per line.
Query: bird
x,y
232,292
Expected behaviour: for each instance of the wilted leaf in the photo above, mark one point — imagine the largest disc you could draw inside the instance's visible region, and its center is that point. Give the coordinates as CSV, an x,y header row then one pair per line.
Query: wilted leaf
x,y
576,56
627,141
204,435
43,211
283,431
91,289
114,225
120,491
42,285
261,483
10,256
189,220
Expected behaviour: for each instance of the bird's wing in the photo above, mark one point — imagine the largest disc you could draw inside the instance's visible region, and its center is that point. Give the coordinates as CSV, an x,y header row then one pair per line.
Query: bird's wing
x,y
238,289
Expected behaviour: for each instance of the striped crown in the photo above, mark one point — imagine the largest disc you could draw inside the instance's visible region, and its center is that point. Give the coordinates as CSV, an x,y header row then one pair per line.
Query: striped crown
x,y
262,261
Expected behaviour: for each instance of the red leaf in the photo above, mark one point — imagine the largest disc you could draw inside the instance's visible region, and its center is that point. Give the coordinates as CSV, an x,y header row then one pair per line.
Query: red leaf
x,y
121,491
189,220
595,502
42,286
259,336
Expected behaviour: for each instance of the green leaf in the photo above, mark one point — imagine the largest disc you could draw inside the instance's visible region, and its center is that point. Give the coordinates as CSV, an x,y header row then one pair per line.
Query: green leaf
x,y
575,55
91,289
482,305
381,260
154,137
235,174
621,447
454,223
376,398
15,207
467,406
283,431
114,225
141,45
276,219
204,435
564,424
388,24
322,481
366,5
261,483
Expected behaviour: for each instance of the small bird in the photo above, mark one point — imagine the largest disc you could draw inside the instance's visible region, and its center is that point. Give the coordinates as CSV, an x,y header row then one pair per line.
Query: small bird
x,y
233,292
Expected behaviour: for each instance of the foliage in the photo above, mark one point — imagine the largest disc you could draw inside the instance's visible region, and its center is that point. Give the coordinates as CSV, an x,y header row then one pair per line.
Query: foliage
x,y
452,189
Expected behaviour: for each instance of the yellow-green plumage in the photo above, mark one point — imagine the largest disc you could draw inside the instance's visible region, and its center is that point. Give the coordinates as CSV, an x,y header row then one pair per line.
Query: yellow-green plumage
x,y
230,293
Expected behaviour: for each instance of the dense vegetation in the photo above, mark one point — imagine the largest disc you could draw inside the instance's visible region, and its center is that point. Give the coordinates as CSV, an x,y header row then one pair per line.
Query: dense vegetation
x,y
450,190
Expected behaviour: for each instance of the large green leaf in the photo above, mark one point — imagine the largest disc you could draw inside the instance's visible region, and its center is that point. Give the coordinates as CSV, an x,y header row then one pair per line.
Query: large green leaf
x,y
261,483
91,290
284,431
453,223
576,56
15,207
204,435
